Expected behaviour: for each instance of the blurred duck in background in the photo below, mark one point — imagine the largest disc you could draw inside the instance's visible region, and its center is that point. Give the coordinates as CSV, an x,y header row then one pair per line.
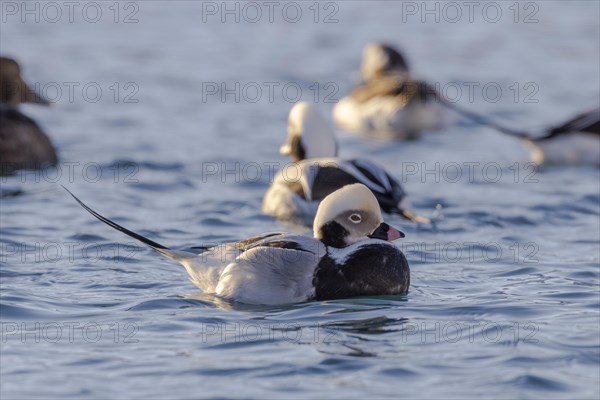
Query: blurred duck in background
x,y
575,142
23,145
298,188
390,103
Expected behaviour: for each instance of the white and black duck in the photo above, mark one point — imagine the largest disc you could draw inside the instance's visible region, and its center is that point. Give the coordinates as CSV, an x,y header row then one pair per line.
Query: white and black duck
x,y
390,103
350,255
298,188
23,144
575,142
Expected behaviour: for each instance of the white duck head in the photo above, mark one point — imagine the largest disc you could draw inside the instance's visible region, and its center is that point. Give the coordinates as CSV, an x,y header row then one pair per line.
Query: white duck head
x,y
381,60
309,134
349,215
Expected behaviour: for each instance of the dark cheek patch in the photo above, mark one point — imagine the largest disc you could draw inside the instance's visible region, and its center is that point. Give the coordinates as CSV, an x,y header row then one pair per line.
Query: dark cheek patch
x,y
297,151
333,234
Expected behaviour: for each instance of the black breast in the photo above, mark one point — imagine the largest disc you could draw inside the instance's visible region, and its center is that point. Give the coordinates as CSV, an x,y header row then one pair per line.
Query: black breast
x,y
23,145
372,270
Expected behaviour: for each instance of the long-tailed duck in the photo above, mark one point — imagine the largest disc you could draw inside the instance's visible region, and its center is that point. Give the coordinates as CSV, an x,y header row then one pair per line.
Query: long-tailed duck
x,y
390,103
298,188
575,142
23,145
350,255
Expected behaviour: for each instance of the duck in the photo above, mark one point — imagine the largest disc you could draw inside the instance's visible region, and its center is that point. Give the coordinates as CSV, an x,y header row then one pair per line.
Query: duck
x,y
390,104
574,142
350,254
316,171
23,144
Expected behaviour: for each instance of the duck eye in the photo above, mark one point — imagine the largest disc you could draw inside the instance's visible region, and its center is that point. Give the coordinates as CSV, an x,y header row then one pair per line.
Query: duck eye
x,y
355,218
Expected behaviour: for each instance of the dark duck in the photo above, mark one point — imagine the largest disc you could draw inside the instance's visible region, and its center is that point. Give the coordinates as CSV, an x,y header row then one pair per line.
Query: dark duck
x,y
23,144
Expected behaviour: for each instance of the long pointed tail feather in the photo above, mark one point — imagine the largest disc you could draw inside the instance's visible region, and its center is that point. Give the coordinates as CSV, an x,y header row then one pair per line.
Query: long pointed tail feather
x,y
483,120
172,254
